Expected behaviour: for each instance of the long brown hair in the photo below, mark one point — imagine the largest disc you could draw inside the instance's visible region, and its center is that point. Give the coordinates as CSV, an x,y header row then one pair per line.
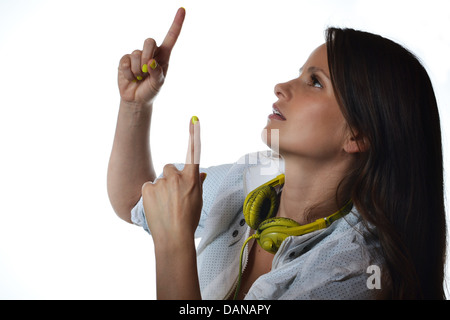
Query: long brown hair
x,y
387,98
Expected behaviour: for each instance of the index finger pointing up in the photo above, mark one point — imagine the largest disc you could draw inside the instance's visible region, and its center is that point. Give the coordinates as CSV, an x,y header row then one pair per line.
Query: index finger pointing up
x,y
174,32
194,148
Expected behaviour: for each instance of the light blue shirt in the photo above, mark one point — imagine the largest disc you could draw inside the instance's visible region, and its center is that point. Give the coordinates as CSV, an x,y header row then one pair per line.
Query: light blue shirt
x,y
332,263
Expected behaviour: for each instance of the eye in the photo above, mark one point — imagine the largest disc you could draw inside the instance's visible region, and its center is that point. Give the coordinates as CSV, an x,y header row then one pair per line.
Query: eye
x,y
315,82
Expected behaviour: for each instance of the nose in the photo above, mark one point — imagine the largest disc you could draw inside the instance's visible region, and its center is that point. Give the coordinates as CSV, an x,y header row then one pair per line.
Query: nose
x,y
281,90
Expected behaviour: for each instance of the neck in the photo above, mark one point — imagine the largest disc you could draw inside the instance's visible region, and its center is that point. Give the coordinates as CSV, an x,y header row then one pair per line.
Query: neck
x,y
309,191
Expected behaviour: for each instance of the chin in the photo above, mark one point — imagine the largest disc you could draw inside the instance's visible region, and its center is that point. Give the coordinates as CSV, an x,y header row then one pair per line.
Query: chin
x,y
271,137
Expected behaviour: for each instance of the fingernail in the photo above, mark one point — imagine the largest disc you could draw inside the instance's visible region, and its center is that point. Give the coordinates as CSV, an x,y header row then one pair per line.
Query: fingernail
x,y
145,68
194,119
139,78
153,65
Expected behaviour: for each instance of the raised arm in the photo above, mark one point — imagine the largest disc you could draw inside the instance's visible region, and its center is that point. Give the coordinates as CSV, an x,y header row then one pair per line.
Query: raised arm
x,y
141,75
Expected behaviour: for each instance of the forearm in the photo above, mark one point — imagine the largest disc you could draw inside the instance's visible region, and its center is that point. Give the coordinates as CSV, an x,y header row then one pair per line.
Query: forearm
x,y
130,164
176,272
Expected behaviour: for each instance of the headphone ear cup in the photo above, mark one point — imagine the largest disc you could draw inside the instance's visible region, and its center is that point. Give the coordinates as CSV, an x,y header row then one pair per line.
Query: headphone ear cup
x,y
261,204
272,232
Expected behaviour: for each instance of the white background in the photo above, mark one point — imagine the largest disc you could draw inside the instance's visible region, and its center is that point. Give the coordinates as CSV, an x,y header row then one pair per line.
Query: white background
x,y
59,238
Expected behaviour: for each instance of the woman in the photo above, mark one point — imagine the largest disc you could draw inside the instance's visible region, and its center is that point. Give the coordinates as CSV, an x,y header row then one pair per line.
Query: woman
x,y
360,122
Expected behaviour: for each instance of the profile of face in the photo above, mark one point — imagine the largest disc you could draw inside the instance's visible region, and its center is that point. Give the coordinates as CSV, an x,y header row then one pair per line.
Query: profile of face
x,y
307,114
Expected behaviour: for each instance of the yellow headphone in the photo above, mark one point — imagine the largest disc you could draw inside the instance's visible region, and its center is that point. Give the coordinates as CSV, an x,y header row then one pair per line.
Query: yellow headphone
x,y
260,207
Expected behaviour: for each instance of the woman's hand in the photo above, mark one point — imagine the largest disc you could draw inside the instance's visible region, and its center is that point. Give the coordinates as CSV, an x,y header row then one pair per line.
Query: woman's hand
x,y
173,203
142,73
130,164
172,208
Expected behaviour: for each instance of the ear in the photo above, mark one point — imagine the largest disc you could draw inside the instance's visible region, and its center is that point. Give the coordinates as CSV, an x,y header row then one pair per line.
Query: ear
x,y
356,143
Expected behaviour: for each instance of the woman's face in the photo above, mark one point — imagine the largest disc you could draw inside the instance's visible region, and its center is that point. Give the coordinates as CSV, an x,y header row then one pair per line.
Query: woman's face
x,y
310,122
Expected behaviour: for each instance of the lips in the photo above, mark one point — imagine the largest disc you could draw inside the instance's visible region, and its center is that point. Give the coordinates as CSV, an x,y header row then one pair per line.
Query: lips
x,y
276,113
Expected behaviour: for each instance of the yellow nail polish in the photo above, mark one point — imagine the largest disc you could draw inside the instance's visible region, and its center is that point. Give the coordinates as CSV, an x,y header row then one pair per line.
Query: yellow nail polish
x,y
134,80
194,119
139,78
145,68
153,64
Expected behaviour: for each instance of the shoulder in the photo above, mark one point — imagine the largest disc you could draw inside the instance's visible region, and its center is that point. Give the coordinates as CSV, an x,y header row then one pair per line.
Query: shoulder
x,y
249,171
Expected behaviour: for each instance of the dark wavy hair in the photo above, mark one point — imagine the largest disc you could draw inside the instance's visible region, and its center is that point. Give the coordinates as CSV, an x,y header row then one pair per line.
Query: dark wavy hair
x,y
388,101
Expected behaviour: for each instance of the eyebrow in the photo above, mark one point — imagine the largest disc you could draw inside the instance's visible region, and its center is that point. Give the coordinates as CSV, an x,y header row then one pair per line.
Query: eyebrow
x,y
314,69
